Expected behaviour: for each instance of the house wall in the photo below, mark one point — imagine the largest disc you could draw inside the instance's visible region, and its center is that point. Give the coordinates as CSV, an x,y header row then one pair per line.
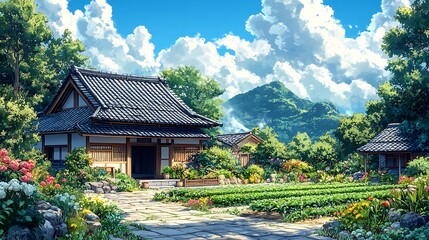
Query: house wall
x,y
78,141
55,139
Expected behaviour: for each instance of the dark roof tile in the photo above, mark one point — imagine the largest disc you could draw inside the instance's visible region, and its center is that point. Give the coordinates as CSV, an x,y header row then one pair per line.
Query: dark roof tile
x,y
234,138
63,121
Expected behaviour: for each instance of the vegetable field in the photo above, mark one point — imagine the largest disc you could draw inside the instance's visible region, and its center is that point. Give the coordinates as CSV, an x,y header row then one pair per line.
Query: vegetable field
x,y
294,202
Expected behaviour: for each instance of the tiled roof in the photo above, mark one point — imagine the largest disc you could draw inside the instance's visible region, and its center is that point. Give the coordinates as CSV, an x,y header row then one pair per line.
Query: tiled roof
x,y
88,127
234,138
391,140
132,99
64,120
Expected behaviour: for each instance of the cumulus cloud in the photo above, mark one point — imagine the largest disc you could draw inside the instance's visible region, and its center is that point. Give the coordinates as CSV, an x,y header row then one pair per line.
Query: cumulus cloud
x,y
298,42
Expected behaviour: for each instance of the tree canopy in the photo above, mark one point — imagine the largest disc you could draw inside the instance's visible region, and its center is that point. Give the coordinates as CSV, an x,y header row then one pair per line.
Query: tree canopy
x,y
198,92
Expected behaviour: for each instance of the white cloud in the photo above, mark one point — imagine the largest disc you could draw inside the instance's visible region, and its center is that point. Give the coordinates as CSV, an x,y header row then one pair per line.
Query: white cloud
x,y
298,42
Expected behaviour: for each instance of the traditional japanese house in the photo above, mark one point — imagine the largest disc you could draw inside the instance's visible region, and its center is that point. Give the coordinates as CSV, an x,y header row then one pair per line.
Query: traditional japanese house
x,y
237,140
394,148
133,124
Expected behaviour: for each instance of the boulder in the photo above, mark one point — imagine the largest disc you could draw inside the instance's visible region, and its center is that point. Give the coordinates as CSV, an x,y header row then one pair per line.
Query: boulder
x,y
105,183
426,218
47,231
357,176
395,225
92,217
87,185
95,185
343,235
233,180
93,225
427,225
331,225
107,189
52,216
394,215
114,188
227,181
42,205
412,220
99,190
20,233
61,230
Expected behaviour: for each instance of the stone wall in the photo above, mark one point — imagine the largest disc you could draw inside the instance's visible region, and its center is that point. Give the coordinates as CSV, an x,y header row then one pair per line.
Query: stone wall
x,y
101,187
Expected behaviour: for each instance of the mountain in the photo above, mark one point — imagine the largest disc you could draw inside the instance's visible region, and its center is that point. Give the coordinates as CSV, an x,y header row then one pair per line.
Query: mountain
x,y
274,105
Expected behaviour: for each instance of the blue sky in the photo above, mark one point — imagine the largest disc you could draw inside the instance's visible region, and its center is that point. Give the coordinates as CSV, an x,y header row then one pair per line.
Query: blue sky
x,y
321,50
167,20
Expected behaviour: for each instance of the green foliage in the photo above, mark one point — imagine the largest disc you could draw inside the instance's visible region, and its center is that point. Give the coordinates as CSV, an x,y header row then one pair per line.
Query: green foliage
x,y
16,128
285,112
179,171
255,170
270,148
167,170
299,147
225,173
418,167
296,166
200,93
407,45
323,153
31,59
414,197
215,158
126,183
78,168
353,132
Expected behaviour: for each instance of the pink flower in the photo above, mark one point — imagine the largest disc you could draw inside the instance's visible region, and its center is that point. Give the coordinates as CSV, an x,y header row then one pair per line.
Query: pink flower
x,y
25,178
63,180
3,152
31,164
43,183
370,198
5,159
14,165
24,170
57,185
3,168
427,188
50,179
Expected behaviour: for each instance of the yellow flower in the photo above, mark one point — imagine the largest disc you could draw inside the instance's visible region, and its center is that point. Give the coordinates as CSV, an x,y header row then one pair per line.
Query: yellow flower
x,y
358,216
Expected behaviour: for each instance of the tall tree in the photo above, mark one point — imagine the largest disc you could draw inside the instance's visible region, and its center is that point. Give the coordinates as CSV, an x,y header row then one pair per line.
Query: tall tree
x,y
198,92
270,148
22,33
407,45
299,147
323,152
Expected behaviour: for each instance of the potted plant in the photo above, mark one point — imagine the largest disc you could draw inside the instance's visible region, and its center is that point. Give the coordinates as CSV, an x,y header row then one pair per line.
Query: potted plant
x,y
166,172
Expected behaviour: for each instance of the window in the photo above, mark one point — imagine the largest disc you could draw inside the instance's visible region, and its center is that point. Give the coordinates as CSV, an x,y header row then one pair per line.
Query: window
x,y
57,155
392,162
108,153
185,154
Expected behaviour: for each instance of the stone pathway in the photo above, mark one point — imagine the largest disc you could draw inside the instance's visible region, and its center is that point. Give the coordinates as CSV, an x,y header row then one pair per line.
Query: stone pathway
x,y
173,221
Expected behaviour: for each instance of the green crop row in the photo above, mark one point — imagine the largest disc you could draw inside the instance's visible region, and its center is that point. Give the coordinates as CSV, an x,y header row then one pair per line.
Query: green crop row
x,y
187,193
228,200
314,212
288,205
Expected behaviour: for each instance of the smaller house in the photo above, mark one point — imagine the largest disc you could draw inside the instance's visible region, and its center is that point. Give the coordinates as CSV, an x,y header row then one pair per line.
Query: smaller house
x,y
236,141
394,148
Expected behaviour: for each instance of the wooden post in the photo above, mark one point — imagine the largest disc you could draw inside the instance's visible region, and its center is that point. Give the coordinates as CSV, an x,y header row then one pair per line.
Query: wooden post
x,y
128,156
399,166
366,160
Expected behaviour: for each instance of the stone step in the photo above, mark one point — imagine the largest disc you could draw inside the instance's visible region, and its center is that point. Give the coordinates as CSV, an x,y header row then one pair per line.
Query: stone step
x,y
160,183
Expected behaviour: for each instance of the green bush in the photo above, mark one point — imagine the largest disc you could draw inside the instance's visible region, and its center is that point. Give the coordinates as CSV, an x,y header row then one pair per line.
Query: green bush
x,y
418,167
226,173
126,183
254,173
215,158
77,160
192,173
167,170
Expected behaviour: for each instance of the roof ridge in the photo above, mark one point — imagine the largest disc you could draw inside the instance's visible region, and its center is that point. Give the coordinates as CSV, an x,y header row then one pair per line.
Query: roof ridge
x,y
121,76
249,132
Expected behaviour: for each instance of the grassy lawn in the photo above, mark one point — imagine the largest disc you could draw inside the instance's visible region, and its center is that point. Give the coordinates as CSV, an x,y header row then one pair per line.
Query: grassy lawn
x,y
294,202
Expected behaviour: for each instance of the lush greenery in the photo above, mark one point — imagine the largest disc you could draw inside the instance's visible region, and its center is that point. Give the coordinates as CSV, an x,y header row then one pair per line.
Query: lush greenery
x,y
282,110
198,92
215,158
418,167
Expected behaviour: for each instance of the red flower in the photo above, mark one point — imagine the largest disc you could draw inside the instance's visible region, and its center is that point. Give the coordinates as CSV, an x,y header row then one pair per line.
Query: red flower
x,y
14,165
26,177
427,188
43,183
57,185
24,170
370,198
386,204
31,164
64,180
3,168
5,159
50,179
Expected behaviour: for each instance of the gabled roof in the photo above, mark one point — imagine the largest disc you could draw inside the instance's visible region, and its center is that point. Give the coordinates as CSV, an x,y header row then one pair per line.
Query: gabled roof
x,y
64,121
234,139
132,99
391,139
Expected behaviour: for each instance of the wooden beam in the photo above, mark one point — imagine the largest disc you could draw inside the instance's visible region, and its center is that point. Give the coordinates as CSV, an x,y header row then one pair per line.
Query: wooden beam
x,y
87,144
69,142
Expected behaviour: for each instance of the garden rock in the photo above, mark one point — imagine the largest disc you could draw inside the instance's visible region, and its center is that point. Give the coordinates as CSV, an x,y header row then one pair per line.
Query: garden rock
x,y
107,189
101,187
92,217
95,185
53,217
92,225
19,233
426,218
233,180
99,190
394,215
43,205
88,191
329,226
47,231
61,230
227,181
427,225
412,220
357,176
396,225
343,235
105,183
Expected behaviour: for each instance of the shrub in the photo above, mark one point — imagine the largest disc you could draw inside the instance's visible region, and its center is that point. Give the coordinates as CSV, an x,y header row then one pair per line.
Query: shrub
x,y
167,170
178,171
68,204
414,198
192,173
126,183
15,169
296,166
418,167
202,204
215,158
226,173
254,173
98,205
78,160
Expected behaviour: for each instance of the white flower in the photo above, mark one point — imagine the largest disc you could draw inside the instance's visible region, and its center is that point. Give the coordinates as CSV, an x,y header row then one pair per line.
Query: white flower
x,y
2,193
72,197
4,185
14,185
29,189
